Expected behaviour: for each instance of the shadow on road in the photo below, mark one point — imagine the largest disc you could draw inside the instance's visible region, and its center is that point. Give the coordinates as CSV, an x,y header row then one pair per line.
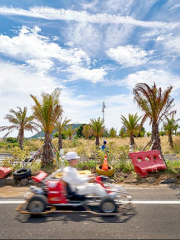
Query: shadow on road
x,y
76,217
175,187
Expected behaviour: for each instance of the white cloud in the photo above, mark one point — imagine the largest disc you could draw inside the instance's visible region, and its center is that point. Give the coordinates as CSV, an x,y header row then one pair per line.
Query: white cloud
x,y
174,6
94,75
120,6
16,85
42,65
70,15
172,45
31,47
86,5
162,79
159,38
86,36
18,82
116,35
129,56
71,44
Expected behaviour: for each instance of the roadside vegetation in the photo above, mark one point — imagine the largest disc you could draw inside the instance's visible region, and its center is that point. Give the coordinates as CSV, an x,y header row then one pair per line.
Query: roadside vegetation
x,y
47,117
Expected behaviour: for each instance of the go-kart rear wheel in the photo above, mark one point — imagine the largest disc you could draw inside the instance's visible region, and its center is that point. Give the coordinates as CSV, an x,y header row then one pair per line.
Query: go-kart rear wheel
x,y
108,205
37,204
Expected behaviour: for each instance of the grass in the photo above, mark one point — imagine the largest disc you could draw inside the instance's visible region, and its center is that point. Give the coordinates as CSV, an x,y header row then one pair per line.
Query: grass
x,y
88,145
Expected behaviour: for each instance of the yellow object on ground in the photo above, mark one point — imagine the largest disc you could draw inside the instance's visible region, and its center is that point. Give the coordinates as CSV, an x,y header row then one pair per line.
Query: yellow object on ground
x,y
108,172
85,172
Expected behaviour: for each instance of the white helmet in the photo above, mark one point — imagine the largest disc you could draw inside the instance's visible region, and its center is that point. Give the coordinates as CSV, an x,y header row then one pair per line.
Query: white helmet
x,y
71,156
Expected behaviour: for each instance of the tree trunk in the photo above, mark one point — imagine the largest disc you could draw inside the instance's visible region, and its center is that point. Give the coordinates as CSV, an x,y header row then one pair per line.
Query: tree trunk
x,y
170,140
59,142
97,141
21,139
155,137
132,143
47,155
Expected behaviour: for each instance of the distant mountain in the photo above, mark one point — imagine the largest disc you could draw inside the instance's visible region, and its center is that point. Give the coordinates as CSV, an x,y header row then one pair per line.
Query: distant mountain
x,y
42,134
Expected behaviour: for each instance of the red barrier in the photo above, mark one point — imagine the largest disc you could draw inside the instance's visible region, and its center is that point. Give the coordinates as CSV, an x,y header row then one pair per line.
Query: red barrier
x,y
41,175
4,171
148,161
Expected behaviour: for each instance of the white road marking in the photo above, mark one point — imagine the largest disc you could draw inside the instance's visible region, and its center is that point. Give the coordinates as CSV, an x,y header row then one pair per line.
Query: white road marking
x,y
138,202
171,202
11,201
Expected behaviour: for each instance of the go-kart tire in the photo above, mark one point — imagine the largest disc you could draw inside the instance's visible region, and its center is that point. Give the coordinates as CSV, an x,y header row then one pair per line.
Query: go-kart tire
x,y
109,172
37,204
108,206
22,173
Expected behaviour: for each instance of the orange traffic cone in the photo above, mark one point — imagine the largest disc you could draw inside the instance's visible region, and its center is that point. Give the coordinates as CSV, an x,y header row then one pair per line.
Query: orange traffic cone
x,y
105,164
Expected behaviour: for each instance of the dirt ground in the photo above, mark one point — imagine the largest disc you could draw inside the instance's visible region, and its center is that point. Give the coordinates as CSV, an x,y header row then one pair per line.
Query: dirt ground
x,y
9,191
152,179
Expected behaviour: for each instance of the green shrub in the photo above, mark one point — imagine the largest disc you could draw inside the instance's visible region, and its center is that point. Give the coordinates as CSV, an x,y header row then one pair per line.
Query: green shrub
x,y
56,135
87,165
11,140
124,166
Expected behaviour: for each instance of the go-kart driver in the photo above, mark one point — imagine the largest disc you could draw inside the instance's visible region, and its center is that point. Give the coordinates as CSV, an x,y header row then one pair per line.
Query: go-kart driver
x,y
79,183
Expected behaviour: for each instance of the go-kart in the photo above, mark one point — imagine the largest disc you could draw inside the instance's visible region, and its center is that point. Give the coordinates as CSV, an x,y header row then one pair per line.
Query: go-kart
x,y
55,193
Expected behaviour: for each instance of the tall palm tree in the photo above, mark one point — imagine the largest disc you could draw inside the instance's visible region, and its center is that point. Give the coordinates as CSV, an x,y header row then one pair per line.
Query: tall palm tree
x,y
69,131
169,127
87,131
60,126
112,132
97,128
20,122
157,106
47,112
132,126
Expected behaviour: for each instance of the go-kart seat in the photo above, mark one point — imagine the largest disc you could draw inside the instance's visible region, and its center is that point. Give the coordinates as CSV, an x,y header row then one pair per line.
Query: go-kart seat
x,y
73,195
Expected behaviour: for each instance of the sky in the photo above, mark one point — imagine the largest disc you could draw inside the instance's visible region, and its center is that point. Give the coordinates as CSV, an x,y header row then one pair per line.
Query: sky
x,y
94,51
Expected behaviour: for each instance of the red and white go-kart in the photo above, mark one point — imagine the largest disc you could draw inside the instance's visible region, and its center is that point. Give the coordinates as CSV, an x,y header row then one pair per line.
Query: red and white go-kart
x,y
54,194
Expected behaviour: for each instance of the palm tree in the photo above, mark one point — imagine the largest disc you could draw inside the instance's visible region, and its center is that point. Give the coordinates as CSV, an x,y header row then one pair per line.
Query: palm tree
x,y
97,128
169,127
112,132
47,112
20,122
132,126
69,131
87,131
157,106
122,132
60,126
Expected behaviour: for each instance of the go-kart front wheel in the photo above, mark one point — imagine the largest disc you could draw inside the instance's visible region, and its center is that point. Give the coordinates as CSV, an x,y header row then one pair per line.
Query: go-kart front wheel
x,y
37,204
108,205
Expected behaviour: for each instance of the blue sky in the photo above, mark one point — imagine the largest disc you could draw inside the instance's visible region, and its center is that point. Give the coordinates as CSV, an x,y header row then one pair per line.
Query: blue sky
x,y
94,51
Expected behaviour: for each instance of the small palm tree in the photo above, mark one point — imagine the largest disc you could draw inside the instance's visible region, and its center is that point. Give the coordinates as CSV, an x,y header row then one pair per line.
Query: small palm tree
x,y
87,131
97,128
112,132
47,112
169,127
122,132
69,131
20,122
60,126
132,126
156,105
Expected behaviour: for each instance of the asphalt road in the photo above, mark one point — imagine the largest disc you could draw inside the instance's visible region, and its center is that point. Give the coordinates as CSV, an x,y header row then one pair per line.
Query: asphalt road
x,y
158,217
